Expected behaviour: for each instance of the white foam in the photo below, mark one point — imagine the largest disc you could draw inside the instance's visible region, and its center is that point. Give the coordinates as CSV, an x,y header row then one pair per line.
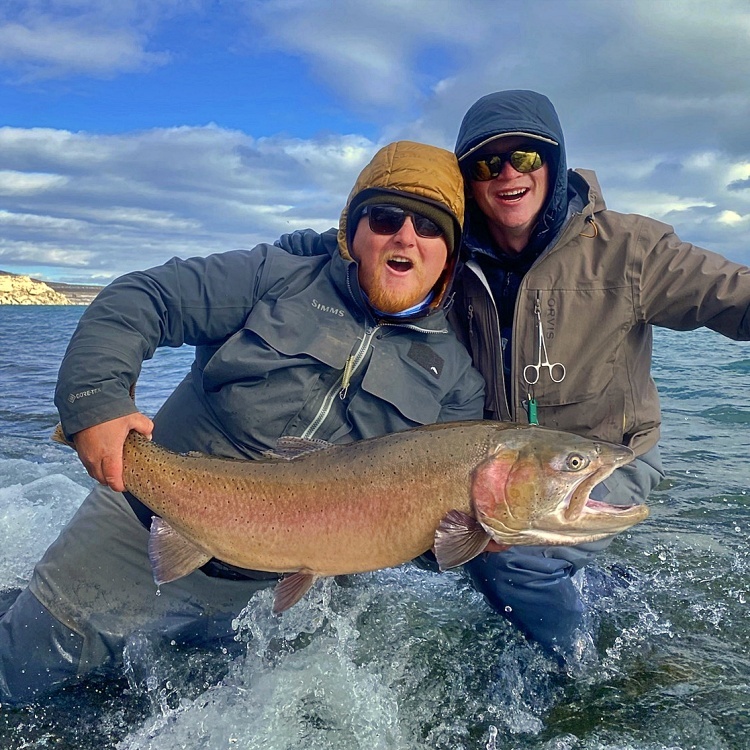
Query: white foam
x,y
33,510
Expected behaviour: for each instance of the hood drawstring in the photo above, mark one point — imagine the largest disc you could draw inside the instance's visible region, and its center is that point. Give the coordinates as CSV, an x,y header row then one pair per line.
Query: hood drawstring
x,y
590,220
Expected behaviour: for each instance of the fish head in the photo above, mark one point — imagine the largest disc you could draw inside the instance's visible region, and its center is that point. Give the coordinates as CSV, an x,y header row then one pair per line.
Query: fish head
x,y
534,488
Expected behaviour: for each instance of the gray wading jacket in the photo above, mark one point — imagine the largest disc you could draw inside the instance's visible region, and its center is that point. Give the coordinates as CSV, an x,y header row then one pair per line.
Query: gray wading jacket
x,y
598,290
283,345
273,334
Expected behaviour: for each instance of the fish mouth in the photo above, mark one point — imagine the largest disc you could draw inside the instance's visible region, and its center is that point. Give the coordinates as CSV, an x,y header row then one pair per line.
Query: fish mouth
x,y
577,500
585,512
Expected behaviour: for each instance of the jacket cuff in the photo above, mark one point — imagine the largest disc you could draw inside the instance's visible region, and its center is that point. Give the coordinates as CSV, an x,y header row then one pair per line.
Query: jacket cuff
x,y
80,419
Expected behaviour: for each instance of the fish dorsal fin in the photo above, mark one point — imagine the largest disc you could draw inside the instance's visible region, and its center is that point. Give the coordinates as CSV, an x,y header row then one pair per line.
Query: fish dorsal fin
x,y
289,447
171,555
290,589
459,538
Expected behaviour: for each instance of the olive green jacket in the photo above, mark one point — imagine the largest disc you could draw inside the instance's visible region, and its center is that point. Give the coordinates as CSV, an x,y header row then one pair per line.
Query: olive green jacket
x,y
598,290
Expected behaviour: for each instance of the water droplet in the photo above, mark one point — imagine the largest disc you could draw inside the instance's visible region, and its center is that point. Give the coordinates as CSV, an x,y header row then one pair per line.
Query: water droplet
x,y
508,609
491,745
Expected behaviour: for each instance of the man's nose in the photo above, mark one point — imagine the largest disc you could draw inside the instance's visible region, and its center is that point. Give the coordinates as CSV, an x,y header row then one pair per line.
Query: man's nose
x,y
407,234
508,171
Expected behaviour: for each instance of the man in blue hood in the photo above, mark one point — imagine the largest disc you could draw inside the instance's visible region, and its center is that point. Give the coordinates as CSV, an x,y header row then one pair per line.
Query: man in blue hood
x,y
556,300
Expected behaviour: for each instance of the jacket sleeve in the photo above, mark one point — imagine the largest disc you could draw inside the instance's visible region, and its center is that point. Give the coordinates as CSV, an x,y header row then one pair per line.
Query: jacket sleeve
x,y
308,242
199,301
683,287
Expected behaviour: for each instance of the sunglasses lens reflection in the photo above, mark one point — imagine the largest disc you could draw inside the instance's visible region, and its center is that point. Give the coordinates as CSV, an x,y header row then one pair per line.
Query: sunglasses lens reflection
x,y
491,166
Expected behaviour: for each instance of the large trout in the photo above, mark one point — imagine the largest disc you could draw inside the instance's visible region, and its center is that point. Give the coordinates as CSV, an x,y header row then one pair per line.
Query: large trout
x,y
323,510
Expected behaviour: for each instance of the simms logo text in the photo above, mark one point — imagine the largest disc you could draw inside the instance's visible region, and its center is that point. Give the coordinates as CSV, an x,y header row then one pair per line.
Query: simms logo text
x,y
75,396
327,308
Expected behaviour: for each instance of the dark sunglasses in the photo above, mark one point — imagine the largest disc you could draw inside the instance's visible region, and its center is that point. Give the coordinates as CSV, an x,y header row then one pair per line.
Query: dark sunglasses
x,y
489,167
388,219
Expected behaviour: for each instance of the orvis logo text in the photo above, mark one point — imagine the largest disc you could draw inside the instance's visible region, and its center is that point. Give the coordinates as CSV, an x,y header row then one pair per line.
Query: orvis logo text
x,y
327,308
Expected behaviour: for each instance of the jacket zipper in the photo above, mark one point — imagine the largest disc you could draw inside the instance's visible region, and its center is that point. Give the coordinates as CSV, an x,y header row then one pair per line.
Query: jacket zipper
x,y
341,385
474,266
353,363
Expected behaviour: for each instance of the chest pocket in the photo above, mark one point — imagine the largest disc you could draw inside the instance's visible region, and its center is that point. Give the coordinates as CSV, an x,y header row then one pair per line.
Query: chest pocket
x,y
584,331
407,375
283,334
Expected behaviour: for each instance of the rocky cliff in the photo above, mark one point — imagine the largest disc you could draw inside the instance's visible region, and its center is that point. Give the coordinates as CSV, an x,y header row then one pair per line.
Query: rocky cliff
x,y
23,290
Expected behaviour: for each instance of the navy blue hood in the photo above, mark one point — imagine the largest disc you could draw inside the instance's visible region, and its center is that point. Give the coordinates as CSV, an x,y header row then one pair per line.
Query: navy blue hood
x,y
518,112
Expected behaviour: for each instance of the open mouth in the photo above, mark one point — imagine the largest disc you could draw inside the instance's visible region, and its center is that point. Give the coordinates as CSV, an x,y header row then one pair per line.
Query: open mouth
x,y
596,506
400,265
578,498
580,504
511,196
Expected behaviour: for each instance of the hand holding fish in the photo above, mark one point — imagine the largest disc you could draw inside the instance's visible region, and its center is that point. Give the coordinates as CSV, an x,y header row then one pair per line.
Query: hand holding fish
x,y
100,447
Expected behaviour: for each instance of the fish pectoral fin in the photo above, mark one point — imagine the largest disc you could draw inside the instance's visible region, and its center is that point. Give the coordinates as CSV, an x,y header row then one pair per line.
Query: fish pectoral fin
x,y
171,555
459,538
290,589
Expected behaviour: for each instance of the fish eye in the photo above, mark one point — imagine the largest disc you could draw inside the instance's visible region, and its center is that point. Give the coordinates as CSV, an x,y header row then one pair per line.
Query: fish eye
x,y
576,462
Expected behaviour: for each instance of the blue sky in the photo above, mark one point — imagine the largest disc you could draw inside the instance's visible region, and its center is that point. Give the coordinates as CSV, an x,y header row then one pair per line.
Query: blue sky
x,y
138,130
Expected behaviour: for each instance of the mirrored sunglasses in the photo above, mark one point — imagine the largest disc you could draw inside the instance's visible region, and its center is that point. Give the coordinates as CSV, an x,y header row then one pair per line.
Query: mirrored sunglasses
x,y
388,219
489,167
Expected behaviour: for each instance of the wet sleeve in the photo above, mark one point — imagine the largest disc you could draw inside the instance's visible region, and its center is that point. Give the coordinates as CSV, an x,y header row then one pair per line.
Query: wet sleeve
x,y
198,301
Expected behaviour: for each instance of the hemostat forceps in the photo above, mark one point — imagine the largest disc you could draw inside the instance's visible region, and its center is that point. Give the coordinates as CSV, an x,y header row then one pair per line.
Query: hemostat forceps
x,y
556,369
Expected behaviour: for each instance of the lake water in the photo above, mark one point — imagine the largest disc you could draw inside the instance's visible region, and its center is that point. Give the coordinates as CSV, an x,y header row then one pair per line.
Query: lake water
x,y
405,659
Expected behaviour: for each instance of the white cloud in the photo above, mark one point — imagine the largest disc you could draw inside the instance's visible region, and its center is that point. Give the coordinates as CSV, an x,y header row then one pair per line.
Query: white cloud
x,y
732,218
368,52
652,95
59,38
119,202
50,49
15,183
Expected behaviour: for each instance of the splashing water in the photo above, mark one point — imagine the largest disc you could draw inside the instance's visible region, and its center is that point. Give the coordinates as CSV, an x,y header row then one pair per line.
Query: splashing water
x,y
405,659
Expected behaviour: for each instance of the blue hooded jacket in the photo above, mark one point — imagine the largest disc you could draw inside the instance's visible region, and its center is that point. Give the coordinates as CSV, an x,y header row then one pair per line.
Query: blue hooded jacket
x,y
525,113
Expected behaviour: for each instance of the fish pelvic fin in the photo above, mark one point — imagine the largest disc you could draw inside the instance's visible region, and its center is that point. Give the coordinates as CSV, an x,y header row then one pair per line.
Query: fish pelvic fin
x,y
290,589
459,538
171,555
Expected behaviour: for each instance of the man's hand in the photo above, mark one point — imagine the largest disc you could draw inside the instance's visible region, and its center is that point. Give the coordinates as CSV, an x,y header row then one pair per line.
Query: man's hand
x,y
100,447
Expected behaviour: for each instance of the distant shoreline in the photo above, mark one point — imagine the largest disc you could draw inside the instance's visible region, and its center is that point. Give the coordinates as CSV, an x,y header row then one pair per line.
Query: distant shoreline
x,y
26,290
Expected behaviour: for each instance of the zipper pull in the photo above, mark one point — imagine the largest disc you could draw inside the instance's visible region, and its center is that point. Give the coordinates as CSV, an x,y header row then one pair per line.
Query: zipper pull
x,y
346,377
